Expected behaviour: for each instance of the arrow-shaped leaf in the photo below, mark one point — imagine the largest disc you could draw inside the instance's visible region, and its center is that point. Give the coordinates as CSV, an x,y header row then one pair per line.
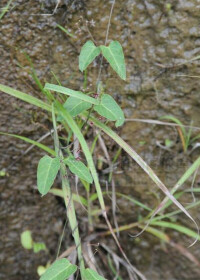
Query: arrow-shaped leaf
x,y
90,274
88,53
115,56
46,173
76,106
60,270
109,109
78,168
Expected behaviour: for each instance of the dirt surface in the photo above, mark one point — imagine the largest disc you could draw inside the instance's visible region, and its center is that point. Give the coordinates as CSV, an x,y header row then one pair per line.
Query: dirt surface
x,y
159,41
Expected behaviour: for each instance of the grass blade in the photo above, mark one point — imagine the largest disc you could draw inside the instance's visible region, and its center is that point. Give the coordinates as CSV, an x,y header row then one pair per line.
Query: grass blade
x,y
93,197
180,182
161,235
69,203
25,97
72,124
172,214
175,120
75,197
65,30
73,93
187,174
5,9
143,165
177,227
37,144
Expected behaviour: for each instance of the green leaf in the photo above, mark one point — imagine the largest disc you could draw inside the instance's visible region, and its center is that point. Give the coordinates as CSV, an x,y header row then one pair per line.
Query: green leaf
x,y
26,240
25,97
39,246
41,270
3,172
35,143
78,168
177,227
168,143
115,56
94,196
88,53
187,174
195,138
143,165
175,120
46,173
109,109
73,93
158,233
65,30
75,106
60,270
90,274
5,9
76,197
76,130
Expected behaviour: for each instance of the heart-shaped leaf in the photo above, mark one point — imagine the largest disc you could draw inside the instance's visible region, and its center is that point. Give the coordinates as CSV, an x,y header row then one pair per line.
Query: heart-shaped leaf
x,y
46,173
90,274
60,270
78,168
115,56
88,53
76,106
109,109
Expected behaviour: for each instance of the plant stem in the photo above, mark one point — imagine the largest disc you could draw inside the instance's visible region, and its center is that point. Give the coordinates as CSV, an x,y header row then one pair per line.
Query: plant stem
x,y
89,211
69,203
71,215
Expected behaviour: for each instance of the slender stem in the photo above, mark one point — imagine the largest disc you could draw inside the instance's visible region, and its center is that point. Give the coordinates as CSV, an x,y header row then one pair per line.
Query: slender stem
x,y
100,67
69,203
90,223
182,139
106,39
72,215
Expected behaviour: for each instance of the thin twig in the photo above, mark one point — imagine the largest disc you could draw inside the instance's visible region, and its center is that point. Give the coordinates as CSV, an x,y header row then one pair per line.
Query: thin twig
x,y
61,239
131,268
107,33
161,123
101,62
113,199
76,154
